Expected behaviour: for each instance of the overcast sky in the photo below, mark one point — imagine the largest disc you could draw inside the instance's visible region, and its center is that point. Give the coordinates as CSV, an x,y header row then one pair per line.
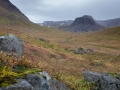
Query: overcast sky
x,y
39,11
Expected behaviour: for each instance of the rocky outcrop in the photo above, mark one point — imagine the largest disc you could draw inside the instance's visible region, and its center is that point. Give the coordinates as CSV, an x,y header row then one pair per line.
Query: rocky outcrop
x,y
102,81
82,51
11,45
41,81
84,23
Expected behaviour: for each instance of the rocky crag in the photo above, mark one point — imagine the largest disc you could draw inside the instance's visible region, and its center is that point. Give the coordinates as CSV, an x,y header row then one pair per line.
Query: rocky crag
x,y
84,23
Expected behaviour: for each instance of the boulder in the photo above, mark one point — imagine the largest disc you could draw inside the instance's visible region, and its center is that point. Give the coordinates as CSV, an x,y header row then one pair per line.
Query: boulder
x,y
55,85
102,81
80,51
43,40
89,50
41,81
20,85
11,44
37,82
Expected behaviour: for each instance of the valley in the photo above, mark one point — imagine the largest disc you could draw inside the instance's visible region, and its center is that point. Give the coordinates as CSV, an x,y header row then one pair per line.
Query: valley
x,y
53,50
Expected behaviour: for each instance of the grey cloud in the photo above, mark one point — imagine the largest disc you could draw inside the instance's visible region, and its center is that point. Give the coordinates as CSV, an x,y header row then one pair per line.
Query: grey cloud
x,y
42,10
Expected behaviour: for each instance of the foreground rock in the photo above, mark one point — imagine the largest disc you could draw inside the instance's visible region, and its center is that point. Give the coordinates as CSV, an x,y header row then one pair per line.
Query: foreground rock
x,y
102,81
11,44
37,82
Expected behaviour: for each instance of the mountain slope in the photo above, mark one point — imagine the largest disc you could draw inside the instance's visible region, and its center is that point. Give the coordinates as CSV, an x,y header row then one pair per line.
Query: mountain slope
x,y
9,10
109,23
10,15
84,23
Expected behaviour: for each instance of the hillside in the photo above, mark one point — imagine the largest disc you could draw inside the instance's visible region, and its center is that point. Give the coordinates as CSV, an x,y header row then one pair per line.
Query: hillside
x,y
109,23
10,13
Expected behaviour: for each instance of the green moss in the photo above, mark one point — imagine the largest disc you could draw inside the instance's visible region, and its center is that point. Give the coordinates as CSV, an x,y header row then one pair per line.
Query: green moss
x,y
24,73
9,77
7,81
114,74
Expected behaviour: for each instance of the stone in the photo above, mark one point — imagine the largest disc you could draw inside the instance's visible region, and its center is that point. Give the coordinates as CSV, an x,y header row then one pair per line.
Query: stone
x,y
40,81
89,50
43,40
80,51
102,81
11,45
20,85
55,85
37,82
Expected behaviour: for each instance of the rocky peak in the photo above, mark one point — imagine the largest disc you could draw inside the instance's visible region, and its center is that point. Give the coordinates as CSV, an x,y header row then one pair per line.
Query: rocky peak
x,y
85,20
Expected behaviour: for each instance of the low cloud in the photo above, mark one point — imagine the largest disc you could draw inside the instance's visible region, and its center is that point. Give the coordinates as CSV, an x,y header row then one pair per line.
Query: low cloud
x,y
46,10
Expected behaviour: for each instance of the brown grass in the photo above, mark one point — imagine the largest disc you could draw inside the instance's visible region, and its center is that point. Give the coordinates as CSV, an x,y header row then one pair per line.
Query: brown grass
x,y
63,64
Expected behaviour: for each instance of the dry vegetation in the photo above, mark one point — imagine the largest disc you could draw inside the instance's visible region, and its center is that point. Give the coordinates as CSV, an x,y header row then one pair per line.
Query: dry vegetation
x,y
56,54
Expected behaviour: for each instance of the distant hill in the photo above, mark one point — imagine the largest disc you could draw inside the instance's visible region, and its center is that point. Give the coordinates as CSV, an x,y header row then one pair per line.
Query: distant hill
x,y
56,24
109,23
84,23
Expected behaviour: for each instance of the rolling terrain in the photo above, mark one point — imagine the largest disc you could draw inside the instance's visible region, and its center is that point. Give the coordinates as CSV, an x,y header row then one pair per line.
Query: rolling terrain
x,y
54,53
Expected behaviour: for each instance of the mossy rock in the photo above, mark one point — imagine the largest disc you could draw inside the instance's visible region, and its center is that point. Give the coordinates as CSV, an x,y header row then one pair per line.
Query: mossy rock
x,y
7,81
11,77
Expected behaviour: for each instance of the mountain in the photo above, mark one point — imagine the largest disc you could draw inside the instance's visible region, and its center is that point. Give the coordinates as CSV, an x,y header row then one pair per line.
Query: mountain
x,y
11,15
84,23
56,24
109,23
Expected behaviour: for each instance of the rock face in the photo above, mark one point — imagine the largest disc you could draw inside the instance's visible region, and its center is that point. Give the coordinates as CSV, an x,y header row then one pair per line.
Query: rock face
x,y
11,44
37,82
102,81
84,23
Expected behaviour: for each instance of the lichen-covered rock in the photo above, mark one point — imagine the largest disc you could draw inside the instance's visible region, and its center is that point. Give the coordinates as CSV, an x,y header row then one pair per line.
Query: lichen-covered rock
x,y
45,82
102,81
11,44
40,81
20,85
55,85
37,82
89,50
80,51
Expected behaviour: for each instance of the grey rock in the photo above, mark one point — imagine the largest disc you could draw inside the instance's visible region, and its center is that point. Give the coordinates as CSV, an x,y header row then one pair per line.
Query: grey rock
x,y
41,81
43,40
55,85
102,81
89,50
80,51
10,43
46,75
20,85
37,82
